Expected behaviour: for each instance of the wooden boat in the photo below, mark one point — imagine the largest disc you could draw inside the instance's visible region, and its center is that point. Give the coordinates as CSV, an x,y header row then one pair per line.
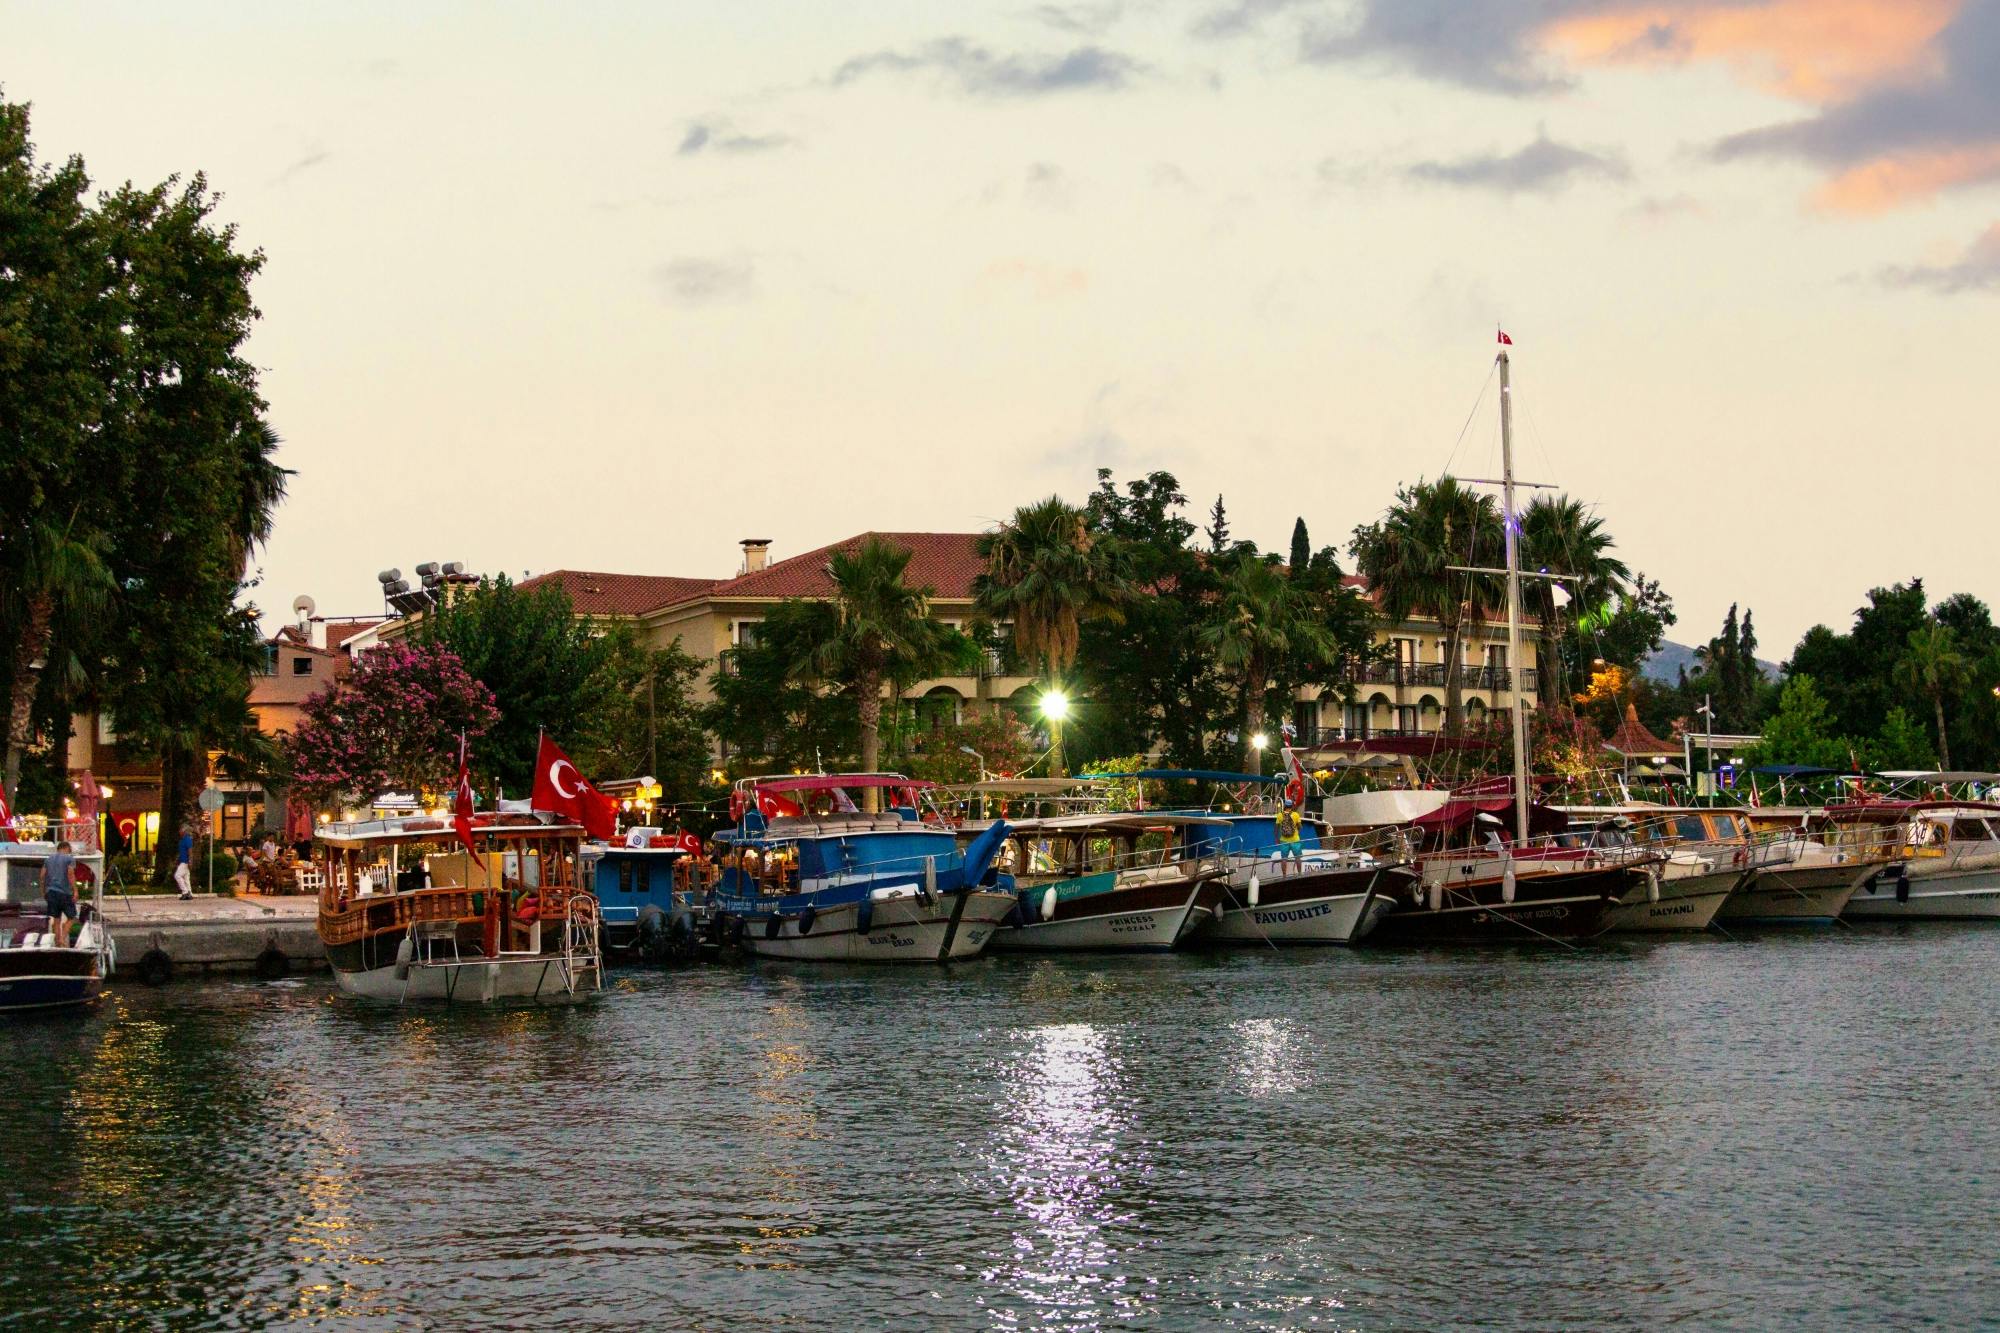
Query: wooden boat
x,y
1805,867
1951,872
1706,856
406,913
807,874
1336,889
34,973
1121,882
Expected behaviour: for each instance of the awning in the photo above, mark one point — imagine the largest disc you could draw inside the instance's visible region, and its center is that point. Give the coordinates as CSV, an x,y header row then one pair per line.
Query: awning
x,y
835,781
1453,815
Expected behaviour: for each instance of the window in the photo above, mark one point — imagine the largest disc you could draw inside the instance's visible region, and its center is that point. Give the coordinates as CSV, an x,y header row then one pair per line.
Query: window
x,y
269,666
1691,828
744,632
302,665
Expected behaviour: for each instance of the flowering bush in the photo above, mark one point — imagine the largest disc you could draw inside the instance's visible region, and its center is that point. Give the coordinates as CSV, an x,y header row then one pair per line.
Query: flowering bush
x,y
392,724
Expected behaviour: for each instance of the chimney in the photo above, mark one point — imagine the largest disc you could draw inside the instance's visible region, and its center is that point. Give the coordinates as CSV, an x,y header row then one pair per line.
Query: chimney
x,y
756,554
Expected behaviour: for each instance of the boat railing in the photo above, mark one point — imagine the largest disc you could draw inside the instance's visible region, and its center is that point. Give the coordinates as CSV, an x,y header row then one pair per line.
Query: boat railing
x,y
1133,865
1544,852
1390,844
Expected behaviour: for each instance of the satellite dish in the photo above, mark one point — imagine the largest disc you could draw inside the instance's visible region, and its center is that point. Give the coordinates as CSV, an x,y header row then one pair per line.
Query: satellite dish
x,y
303,607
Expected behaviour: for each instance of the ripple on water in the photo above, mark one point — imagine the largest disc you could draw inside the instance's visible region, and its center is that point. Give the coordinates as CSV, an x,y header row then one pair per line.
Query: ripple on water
x,y
1793,1130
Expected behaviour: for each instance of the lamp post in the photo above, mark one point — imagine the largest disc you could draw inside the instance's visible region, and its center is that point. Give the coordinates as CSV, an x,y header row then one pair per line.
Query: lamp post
x,y
1258,743
1054,708
967,749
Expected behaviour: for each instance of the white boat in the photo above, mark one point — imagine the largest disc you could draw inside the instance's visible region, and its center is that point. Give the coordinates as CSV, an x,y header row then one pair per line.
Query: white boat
x,y
1124,882
1706,858
34,972
1953,870
407,914
1336,890
1805,868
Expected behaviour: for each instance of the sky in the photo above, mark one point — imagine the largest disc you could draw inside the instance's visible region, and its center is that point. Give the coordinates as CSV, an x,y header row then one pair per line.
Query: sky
x,y
613,286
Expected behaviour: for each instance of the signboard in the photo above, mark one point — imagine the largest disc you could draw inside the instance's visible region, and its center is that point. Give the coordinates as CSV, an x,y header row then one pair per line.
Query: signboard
x,y
210,800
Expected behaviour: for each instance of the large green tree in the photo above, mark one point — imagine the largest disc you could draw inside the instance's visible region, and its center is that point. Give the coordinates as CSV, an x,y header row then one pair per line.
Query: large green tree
x,y
880,636
1932,666
769,718
1048,573
1407,557
1267,626
1561,536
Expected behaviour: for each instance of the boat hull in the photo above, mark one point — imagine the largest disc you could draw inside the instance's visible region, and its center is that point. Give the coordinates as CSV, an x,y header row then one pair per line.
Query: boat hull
x,y
543,978
1795,895
1969,895
1332,907
900,930
1147,918
1690,902
1567,906
48,978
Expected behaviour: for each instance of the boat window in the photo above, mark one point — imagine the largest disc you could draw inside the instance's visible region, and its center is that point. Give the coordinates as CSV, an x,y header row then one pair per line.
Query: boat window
x,y
624,877
1969,830
1691,828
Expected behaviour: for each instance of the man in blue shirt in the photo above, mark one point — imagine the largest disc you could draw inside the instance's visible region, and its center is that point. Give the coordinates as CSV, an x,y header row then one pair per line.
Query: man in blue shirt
x,y
58,875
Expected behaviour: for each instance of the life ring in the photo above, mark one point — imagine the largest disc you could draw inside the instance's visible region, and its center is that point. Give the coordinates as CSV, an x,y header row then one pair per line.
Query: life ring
x,y
1295,792
737,805
155,968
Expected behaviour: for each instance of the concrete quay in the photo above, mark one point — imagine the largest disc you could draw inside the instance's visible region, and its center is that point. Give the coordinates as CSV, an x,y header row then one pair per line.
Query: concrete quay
x,y
161,938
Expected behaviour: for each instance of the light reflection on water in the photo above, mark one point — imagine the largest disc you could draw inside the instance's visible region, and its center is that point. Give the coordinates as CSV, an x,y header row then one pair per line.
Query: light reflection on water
x,y
1783,1132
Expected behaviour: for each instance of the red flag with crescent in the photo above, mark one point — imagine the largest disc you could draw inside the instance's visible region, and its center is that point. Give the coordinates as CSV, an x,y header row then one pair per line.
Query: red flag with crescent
x,y
563,790
461,805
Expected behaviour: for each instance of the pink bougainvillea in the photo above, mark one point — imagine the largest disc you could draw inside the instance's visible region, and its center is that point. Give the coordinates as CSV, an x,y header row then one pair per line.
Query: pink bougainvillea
x,y
391,725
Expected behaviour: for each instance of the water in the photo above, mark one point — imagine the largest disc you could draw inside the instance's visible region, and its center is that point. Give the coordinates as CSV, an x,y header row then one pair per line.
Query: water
x,y
1792,1131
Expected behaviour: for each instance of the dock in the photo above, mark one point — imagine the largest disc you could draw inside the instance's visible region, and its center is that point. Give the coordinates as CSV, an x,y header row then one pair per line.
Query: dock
x,y
160,938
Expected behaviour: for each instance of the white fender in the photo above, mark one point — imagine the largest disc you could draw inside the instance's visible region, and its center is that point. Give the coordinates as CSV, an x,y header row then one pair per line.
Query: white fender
x,y
1049,903
405,951
1254,886
1507,882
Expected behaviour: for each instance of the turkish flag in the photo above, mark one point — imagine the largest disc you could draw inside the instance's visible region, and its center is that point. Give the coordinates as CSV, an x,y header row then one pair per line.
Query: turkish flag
x,y
561,789
461,806
1505,340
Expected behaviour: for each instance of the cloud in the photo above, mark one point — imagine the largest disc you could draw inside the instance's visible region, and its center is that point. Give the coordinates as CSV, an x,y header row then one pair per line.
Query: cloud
x,y
980,71
1084,20
1907,139
313,157
1542,167
718,136
1049,186
1978,270
1240,18
692,282
1490,47
1667,208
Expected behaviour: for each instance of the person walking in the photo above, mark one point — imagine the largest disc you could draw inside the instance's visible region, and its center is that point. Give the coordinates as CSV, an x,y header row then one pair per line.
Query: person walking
x,y
184,881
58,891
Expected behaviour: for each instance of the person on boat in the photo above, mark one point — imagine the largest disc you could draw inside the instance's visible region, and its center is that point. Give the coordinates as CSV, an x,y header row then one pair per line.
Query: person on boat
x,y
1290,847
58,891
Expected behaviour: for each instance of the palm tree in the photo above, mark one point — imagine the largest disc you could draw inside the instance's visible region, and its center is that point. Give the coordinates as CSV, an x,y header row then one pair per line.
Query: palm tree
x,y
1933,666
1048,573
879,634
1560,535
1406,554
50,570
1265,619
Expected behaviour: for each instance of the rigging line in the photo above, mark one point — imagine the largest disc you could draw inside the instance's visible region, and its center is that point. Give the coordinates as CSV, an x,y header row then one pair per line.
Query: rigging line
x,y
1484,385
1528,411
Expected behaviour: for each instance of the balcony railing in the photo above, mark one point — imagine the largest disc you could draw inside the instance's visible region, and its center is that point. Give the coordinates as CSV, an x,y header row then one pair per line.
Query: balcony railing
x,y
1431,674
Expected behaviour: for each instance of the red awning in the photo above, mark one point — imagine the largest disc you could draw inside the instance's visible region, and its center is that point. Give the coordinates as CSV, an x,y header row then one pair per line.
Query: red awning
x,y
1457,814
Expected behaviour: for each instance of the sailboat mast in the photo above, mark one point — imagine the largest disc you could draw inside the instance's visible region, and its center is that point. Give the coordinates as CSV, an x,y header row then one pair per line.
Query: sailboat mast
x,y
1515,675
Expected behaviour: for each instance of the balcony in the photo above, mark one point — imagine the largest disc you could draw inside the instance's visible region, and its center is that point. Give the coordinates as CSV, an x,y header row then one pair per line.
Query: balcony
x,y
1431,675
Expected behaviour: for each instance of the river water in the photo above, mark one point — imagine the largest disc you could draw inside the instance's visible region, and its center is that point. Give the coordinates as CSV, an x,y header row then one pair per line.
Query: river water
x,y
1795,1130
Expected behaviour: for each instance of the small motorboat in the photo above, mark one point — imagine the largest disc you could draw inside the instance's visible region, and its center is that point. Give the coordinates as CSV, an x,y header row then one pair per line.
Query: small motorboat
x,y
34,973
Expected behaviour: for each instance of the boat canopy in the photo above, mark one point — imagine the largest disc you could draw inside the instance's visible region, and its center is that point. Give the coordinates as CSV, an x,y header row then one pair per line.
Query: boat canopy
x,y
835,781
1802,771
427,828
1192,775
1129,824
1454,815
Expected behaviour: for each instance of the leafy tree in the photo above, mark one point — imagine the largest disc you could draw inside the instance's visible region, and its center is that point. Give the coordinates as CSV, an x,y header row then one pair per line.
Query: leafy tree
x,y
392,723
1802,731
880,635
1047,572
1630,632
1218,527
1261,620
1406,557
1934,667
549,671
1902,744
1560,535
650,722
769,716
1001,744
1855,669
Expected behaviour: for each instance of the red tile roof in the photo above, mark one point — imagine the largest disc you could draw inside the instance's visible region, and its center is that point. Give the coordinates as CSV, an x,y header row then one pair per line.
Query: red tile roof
x,y
339,632
945,561
595,594
1634,738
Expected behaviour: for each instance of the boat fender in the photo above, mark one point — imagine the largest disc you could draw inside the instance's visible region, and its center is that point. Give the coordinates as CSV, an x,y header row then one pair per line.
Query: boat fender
x,y
806,919
405,951
1902,885
772,924
864,914
272,963
1255,887
737,930
1049,903
155,968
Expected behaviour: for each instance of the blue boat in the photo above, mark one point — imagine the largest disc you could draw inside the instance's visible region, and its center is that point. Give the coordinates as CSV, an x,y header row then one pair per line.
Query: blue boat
x,y
807,873
652,894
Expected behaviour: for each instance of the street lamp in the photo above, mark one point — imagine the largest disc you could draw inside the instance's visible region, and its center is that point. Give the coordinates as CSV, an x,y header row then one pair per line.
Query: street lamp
x,y
1258,742
1054,708
1055,705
